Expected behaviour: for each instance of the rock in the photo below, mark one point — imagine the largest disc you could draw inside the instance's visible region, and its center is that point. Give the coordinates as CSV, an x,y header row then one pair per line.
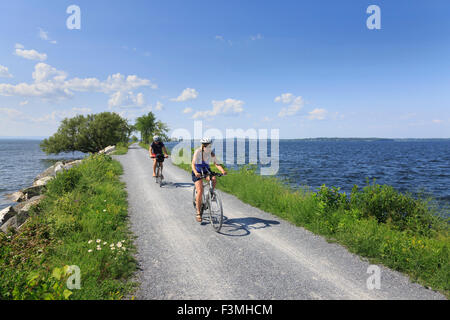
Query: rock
x,y
72,164
10,223
6,214
14,197
31,192
58,168
50,171
20,215
42,182
25,206
108,150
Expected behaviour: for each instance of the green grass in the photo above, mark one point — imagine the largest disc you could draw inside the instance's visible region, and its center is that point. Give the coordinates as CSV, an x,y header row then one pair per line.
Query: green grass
x,y
376,222
122,148
82,205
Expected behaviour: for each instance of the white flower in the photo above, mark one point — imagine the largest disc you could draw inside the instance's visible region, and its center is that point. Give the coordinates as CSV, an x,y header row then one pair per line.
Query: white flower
x,y
123,248
104,210
98,240
90,250
113,248
111,245
119,244
98,248
105,243
90,241
104,200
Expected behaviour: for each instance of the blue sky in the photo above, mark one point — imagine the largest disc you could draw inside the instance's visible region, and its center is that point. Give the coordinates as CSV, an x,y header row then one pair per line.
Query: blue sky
x,y
307,68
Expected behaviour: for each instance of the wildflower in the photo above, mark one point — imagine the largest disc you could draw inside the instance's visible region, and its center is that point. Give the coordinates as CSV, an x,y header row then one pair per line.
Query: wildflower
x,y
104,200
113,248
90,241
119,244
104,210
105,243
123,248
111,245
98,240
99,248
90,250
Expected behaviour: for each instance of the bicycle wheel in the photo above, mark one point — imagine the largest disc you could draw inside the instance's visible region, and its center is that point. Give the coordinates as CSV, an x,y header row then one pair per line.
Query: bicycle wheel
x,y
215,210
158,169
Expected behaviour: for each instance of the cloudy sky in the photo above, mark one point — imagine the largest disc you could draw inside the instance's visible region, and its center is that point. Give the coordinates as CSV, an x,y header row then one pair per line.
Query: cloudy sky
x,y
307,68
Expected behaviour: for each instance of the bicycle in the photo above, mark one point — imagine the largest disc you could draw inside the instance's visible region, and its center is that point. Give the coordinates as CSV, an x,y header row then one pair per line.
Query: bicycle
x,y
159,176
211,201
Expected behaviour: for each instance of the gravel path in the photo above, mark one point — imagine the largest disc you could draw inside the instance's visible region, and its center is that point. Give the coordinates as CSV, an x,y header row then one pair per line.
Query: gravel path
x,y
256,255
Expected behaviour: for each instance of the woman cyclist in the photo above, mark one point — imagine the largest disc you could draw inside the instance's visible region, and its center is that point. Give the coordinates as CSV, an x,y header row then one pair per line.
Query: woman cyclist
x,y
200,164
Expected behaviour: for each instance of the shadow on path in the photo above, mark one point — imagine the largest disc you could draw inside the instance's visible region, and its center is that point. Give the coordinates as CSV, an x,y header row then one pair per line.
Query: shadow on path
x,y
240,227
172,185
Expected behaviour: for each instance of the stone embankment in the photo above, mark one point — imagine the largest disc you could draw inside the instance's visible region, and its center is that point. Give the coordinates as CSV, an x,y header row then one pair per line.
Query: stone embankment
x,y
13,217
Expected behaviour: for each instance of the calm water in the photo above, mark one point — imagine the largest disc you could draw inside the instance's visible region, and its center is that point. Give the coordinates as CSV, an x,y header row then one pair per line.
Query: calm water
x,y
414,166
20,162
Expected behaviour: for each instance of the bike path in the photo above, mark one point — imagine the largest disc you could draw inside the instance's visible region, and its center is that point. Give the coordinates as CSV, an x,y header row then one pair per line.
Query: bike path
x,y
255,256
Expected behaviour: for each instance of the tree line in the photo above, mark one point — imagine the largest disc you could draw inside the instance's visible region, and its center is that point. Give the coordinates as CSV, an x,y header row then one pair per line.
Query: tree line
x,y
94,132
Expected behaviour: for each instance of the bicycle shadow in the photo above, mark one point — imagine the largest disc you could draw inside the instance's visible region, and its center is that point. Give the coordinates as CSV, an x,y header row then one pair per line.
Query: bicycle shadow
x,y
239,227
173,185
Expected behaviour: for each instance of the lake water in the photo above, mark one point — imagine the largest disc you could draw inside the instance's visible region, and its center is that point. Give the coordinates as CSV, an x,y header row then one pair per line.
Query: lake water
x,y
416,166
408,165
20,162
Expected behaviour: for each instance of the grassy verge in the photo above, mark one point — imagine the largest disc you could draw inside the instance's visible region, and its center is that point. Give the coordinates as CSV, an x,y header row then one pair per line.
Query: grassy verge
x,y
376,222
122,148
82,221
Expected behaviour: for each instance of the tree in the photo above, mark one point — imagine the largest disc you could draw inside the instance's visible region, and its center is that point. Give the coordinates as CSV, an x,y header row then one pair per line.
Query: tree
x,y
90,133
145,125
161,130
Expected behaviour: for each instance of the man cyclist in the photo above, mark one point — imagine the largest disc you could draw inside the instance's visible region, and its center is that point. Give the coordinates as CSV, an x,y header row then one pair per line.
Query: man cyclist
x,y
156,149
200,164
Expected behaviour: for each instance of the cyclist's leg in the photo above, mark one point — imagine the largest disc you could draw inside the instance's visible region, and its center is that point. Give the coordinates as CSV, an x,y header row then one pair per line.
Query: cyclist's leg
x,y
198,200
154,167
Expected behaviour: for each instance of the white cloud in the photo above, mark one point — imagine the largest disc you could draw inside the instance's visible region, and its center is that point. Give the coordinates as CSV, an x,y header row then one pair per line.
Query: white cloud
x,y
159,106
219,38
10,113
4,73
29,54
295,104
187,94
50,83
317,114
23,103
120,99
53,117
44,36
228,106
257,37
187,110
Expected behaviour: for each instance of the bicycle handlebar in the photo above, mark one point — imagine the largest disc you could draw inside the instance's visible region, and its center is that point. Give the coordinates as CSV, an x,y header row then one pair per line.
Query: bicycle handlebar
x,y
213,174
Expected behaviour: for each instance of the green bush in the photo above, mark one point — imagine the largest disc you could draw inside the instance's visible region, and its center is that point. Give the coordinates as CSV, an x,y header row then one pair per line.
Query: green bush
x,y
66,182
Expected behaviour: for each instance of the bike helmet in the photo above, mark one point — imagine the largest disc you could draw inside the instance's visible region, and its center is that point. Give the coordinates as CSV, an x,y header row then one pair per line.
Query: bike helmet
x,y
206,141
156,138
